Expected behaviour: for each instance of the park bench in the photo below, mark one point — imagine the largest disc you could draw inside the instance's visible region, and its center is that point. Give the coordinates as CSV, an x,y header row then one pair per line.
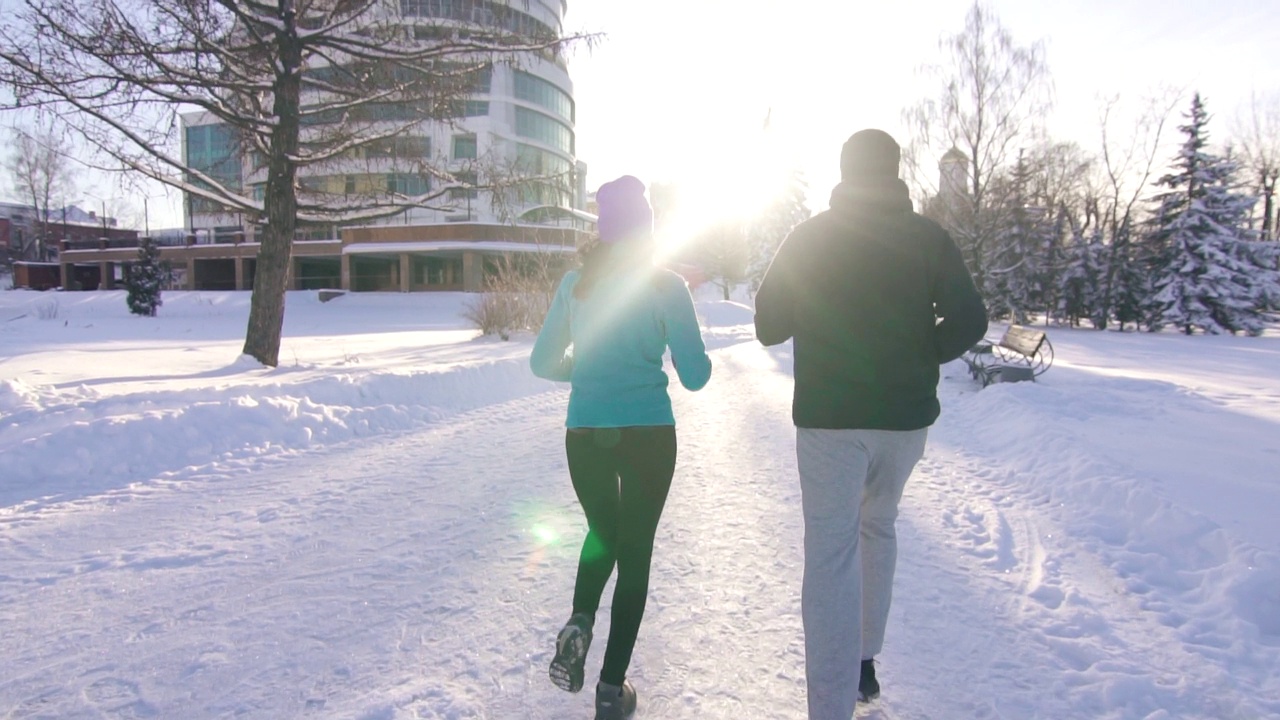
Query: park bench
x,y
1022,353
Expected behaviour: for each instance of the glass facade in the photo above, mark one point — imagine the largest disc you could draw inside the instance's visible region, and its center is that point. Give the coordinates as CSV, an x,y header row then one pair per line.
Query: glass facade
x,y
477,78
545,129
213,150
391,112
554,187
534,89
539,192
480,12
537,161
539,123
364,184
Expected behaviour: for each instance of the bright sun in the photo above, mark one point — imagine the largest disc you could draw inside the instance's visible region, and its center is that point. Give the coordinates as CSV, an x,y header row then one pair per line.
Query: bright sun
x,y
727,185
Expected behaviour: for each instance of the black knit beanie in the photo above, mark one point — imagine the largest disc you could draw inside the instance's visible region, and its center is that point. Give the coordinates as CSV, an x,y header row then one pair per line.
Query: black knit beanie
x,y
869,154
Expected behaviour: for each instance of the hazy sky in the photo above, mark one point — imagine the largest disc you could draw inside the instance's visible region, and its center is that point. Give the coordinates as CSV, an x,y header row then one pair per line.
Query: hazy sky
x,y
678,89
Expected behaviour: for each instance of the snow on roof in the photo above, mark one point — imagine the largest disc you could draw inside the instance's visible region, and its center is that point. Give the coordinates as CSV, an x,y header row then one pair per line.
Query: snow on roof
x,y
557,209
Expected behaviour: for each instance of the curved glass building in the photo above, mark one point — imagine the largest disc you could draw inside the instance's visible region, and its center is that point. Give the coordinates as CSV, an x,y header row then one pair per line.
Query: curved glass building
x,y
513,130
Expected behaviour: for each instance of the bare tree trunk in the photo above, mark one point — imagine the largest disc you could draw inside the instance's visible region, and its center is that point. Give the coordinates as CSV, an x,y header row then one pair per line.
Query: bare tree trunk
x,y
271,273
1268,206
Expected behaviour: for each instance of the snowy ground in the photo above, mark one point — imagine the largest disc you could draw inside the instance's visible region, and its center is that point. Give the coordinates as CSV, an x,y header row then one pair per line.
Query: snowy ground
x,y
383,528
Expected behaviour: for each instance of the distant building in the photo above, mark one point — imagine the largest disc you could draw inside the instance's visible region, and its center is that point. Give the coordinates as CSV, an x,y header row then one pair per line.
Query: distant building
x,y
515,117
38,246
953,189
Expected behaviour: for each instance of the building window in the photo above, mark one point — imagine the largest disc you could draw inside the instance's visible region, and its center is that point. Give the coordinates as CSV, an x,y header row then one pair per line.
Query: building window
x,y
205,205
545,129
349,185
441,271
534,89
539,192
313,184
469,108
464,147
481,12
464,193
405,184
481,80
214,151
403,146
535,161
320,115
386,112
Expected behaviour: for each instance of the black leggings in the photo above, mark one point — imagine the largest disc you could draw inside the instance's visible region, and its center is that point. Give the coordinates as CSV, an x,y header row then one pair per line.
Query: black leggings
x,y
621,476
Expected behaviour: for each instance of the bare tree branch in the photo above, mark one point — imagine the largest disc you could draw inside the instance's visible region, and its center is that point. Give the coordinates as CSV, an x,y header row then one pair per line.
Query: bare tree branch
x,y
41,173
993,96
1257,130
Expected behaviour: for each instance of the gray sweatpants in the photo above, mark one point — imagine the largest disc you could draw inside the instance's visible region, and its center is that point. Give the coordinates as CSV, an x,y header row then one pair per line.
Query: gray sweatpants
x,y
851,482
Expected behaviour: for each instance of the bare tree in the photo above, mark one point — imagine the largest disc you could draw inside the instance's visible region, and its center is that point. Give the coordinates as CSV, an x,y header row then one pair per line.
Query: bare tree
x,y
298,83
1059,174
1257,130
993,95
1128,162
41,175
1057,186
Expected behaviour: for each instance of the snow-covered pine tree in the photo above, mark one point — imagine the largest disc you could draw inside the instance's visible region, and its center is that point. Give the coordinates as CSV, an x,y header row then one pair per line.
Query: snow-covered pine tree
x,y
1083,264
1047,282
1263,257
1016,258
1203,279
767,230
1131,265
146,278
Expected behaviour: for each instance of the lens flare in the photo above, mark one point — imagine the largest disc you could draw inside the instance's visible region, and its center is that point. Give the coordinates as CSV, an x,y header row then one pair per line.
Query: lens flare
x,y
545,534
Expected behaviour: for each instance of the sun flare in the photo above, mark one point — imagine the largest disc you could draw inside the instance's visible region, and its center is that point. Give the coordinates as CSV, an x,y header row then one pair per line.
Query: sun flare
x,y
727,186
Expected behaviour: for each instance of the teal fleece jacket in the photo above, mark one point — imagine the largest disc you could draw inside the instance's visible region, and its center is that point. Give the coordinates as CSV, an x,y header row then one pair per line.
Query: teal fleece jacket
x,y
610,345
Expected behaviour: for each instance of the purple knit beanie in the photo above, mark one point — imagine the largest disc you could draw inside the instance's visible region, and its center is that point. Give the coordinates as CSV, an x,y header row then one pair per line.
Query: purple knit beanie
x,y
623,211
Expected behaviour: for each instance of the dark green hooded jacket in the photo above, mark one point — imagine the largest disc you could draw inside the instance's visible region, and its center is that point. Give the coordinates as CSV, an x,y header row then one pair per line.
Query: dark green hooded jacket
x,y
876,298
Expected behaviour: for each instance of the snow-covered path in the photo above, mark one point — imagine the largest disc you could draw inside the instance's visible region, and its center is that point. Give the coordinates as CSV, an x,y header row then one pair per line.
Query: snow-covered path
x,y
423,574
